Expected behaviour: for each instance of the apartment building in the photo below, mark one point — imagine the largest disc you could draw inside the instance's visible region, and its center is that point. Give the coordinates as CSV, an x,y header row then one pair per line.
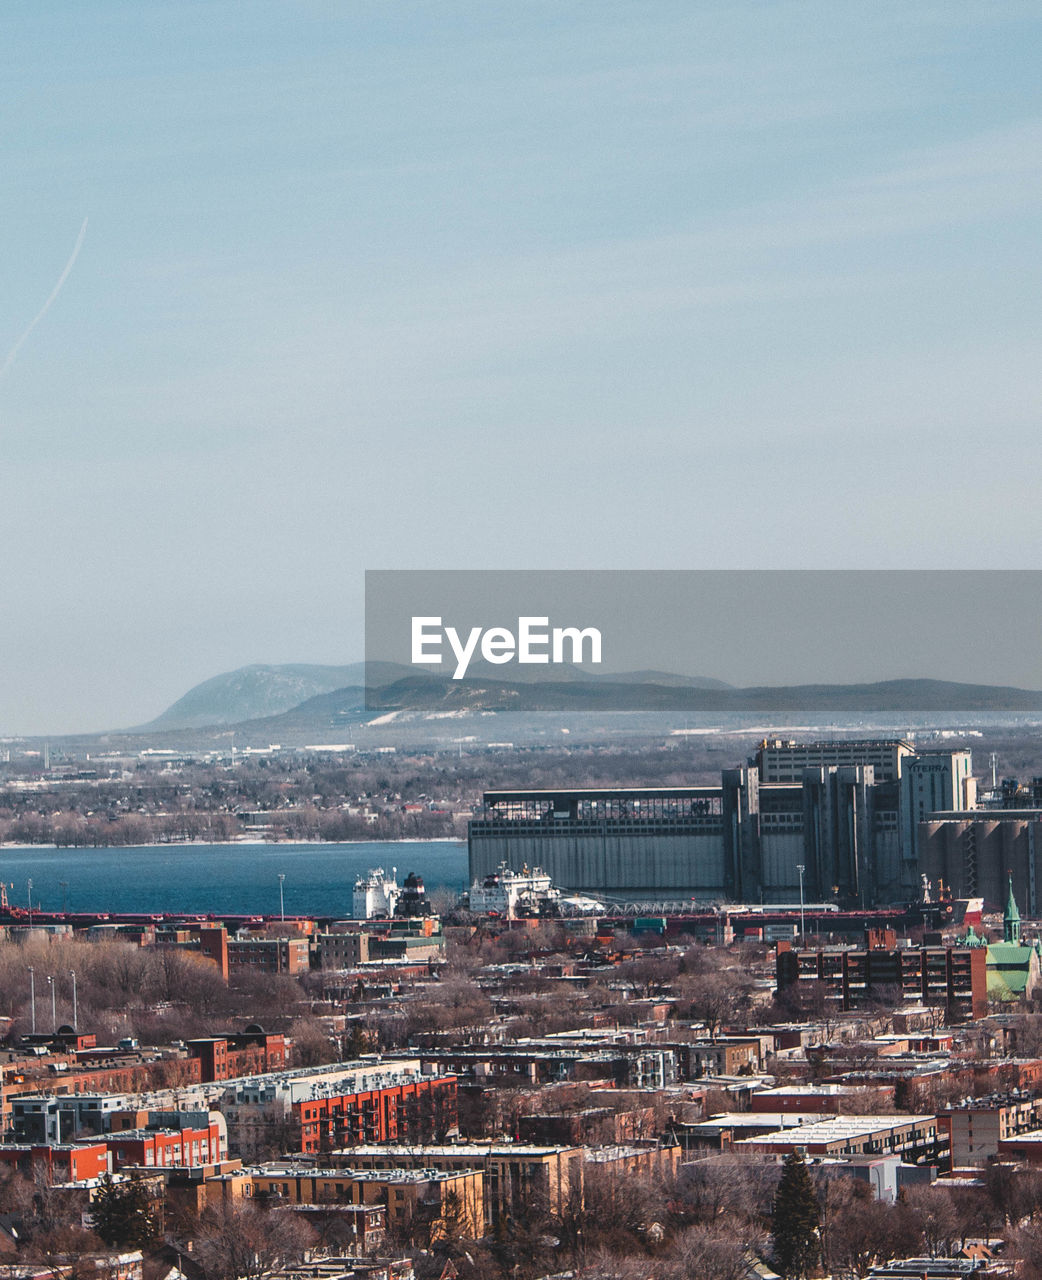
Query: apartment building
x,y
977,1130
954,977
313,1111
58,1162
247,1053
269,955
435,1201
517,1176
916,1138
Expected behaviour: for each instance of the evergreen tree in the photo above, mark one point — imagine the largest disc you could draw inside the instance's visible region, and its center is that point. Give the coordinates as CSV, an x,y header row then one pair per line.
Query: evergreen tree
x,y
123,1214
796,1221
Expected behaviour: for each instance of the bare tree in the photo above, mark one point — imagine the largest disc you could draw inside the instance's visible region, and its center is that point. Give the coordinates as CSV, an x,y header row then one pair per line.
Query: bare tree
x,y
717,1252
708,1190
714,998
1027,1250
858,1232
606,1265
244,1241
49,1218
935,1214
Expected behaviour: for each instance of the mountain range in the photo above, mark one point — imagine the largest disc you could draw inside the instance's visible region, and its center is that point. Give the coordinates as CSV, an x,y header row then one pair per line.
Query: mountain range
x,y
290,700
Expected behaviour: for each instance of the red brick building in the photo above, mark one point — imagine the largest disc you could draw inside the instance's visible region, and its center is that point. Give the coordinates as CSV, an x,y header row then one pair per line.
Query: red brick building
x,y
213,944
165,1148
269,955
137,1078
953,977
343,1107
67,1162
249,1053
420,1111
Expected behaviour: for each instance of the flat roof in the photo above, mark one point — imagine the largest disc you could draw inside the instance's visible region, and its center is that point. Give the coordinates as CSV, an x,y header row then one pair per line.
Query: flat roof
x,y
1032,1135
461,1149
606,793
758,1120
832,1130
983,815
809,1091
603,1155
360,1175
794,744
116,1135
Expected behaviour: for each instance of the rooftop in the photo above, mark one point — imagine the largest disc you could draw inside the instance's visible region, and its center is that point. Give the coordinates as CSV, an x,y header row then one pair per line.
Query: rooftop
x,y
759,1120
838,1128
356,1175
603,793
472,1149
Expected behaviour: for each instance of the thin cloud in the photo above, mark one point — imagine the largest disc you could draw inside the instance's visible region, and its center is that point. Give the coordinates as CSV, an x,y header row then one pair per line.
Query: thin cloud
x,y
51,298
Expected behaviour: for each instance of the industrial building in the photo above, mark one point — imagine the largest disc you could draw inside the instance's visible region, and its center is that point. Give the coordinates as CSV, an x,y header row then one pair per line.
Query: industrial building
x,y
974,853
779,760
847,813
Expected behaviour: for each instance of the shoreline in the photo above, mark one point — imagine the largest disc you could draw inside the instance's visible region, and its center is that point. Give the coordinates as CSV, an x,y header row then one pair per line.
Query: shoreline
x,y
231,844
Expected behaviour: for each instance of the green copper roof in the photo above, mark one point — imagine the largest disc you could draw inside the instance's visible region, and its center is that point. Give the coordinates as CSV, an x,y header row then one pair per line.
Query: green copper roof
x,y
1009,969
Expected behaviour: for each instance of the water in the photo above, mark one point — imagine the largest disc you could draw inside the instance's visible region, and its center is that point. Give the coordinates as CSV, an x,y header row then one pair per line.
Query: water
x,y
230,878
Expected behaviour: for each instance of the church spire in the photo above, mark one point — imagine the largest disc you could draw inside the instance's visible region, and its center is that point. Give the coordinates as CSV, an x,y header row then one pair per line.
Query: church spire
x,y
1011,920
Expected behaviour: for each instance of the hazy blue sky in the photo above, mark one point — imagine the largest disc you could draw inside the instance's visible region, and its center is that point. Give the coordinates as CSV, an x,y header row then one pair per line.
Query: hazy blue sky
x,y
515,284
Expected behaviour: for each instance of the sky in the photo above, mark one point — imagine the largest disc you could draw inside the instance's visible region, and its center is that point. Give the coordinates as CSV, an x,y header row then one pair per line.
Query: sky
x,y
379,285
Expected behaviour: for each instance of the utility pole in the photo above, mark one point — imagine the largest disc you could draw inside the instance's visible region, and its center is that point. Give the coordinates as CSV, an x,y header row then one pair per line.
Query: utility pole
x,y
282,900
54,1004
30,904
803,932
75,1011
32,996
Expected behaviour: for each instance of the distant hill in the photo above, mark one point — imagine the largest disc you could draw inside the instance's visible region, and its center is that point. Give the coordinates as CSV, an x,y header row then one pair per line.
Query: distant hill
x,y
259,691
423,698
566,674
435,694
664,679
301,700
